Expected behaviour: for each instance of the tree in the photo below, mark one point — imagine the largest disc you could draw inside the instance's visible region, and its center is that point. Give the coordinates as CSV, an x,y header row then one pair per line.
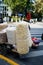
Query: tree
x,y
23,6
30,6
16,5
39,8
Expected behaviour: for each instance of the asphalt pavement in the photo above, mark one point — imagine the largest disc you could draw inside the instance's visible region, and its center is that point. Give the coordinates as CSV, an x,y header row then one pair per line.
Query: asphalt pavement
x,y
35,56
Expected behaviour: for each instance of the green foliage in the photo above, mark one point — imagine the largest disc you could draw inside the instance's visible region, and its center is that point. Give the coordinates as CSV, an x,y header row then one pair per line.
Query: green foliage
x,y
21,5
10,3
39,6
16,5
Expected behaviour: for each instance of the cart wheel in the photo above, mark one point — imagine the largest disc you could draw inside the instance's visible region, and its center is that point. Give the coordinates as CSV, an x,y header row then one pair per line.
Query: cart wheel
x,y
0,49
42,36
3,50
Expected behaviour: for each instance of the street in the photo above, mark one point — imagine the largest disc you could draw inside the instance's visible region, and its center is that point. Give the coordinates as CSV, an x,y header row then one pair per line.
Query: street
x,y
35,56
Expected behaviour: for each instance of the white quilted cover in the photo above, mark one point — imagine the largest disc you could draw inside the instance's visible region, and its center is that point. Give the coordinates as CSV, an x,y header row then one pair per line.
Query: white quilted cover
x,y
23,39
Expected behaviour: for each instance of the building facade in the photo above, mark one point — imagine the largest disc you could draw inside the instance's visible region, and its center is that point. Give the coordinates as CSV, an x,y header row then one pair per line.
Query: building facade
x,y
3,10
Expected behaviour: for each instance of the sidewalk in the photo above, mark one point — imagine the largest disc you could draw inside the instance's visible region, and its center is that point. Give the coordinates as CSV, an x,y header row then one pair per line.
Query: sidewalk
x,y
36,25
32,25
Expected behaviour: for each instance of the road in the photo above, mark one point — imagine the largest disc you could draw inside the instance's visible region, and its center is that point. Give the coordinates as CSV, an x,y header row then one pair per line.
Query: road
x,y
35,56
36,29
36,32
